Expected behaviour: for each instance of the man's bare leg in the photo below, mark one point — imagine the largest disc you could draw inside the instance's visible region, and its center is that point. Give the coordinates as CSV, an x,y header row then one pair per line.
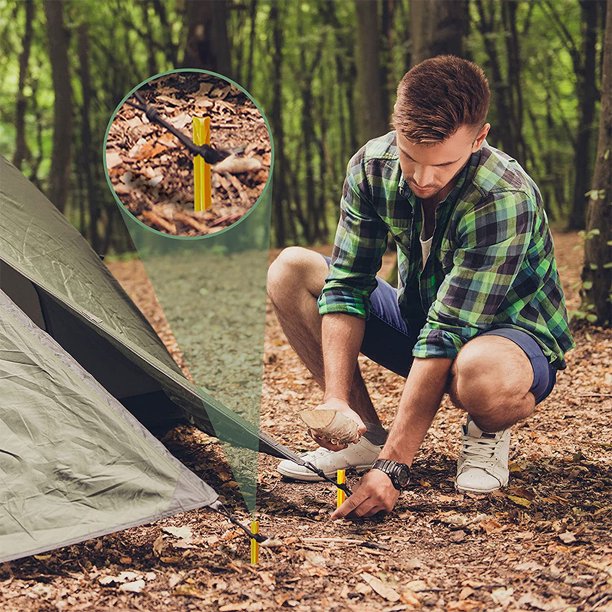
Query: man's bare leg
x,y
295,280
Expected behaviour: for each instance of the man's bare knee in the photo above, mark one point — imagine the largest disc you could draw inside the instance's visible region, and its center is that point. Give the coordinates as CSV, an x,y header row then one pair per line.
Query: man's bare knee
x,y
296,269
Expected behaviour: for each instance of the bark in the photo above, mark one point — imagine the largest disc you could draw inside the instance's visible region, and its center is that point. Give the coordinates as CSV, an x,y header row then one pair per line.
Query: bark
x,y
515,86
253,21
58,41
500,89
372,116
280,199
598,253
587,95
22,151
437,27
86,160
207,43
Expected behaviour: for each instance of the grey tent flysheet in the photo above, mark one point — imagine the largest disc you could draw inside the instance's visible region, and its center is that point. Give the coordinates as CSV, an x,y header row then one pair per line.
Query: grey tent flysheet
x,y
84,380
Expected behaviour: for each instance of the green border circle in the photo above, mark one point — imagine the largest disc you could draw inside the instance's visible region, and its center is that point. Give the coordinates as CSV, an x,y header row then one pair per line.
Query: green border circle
x,y
122,206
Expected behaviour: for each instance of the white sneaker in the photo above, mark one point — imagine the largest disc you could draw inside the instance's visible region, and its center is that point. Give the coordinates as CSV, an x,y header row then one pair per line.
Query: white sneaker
x,y
483,464
360,456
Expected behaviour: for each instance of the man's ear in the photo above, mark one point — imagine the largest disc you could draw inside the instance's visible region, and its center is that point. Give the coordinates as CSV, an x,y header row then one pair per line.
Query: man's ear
x,y
480,137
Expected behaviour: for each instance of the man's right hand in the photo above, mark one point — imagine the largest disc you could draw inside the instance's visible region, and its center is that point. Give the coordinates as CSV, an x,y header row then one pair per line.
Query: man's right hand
x,y
334,403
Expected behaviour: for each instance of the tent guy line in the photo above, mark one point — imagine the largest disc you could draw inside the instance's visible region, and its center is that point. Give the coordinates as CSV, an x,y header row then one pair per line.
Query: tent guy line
x,y
210,154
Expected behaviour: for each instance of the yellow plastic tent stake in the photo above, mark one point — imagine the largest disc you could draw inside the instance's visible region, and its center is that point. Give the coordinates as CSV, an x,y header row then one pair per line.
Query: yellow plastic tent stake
x,y
254,543
202,197
340,494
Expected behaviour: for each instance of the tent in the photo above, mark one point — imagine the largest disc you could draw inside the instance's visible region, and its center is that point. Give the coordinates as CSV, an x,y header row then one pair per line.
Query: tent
x,y
84,382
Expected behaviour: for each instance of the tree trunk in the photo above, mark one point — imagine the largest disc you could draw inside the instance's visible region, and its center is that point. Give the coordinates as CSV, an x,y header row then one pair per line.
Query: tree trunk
x,y
372,117
21,146
207,40
280,200
437,27
57,35
86,157
587,95
598,253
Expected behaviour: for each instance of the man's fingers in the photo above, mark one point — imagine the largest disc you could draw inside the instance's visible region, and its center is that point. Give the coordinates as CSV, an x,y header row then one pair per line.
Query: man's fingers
x,y
350,505
325,443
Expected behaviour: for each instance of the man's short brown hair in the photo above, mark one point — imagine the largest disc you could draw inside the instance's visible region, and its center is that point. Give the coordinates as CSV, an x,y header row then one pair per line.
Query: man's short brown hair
x,y
437,96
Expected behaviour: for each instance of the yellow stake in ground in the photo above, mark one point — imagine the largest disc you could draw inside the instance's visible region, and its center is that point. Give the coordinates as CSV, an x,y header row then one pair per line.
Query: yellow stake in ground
x,y
202,197
340,494
254,543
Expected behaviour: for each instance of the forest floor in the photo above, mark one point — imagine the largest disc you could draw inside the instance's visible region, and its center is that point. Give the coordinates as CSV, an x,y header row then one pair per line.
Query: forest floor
x,y
543,543
152,173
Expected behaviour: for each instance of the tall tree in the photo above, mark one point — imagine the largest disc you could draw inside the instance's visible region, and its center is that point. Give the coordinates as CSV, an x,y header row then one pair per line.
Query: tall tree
x,y
372,117
207,44
583,56
437,27
58,40
598,252
21,146
86,143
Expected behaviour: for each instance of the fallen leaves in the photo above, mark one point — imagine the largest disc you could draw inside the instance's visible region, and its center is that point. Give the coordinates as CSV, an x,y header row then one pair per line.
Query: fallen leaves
x,y
380,587
162,168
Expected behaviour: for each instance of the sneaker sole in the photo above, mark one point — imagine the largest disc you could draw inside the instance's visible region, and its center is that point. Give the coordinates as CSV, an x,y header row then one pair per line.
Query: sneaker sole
x,y
481,491
312,477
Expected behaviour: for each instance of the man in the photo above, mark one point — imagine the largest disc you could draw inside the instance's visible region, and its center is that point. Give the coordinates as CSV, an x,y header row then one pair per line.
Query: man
x,y
479,312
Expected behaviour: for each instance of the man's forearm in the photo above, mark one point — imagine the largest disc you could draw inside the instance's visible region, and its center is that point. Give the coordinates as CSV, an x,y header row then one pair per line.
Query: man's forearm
x,y
341,338
419,403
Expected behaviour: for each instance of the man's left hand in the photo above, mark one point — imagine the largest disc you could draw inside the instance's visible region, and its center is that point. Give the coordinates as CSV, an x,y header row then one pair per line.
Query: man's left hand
x,y
375,492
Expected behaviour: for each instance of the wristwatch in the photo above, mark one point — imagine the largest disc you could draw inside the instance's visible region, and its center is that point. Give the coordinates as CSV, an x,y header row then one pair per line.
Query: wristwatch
x,y
399,473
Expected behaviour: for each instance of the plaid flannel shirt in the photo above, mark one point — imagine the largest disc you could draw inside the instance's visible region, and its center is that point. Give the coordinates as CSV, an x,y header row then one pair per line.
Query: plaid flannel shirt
x,y
491,264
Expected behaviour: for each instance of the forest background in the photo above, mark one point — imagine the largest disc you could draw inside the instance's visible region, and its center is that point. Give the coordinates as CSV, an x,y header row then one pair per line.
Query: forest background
x,y
325,73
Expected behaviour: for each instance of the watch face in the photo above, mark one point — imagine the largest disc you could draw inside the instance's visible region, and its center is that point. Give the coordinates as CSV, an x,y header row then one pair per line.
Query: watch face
x,y
402,475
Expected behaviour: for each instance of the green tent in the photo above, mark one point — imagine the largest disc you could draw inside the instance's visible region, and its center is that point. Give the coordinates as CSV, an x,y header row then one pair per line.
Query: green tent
x,y
84,380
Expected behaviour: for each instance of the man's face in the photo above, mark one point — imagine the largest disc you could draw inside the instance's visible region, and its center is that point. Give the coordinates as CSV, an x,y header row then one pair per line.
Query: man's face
x,y
430,168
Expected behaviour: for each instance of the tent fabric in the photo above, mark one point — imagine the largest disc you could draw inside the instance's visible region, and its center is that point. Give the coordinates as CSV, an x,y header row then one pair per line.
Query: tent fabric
x,y
74,463
84,379
85,309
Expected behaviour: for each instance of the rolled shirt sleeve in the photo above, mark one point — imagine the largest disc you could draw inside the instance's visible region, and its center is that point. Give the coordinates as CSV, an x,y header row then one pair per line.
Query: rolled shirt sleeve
x,y
494,238
359,245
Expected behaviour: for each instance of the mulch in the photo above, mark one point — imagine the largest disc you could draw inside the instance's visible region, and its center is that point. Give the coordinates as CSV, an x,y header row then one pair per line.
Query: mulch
x,y
543,543
152,172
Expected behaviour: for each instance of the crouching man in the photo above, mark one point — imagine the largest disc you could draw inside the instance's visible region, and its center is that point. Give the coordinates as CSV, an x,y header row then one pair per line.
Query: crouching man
x,y
479,311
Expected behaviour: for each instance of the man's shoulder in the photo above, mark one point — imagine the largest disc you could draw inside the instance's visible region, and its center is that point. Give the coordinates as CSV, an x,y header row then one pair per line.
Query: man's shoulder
x,y
380,149
498,173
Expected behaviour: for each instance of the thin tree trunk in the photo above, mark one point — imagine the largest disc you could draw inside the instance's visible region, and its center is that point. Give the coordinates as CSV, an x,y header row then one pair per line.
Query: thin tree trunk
x,y
58,40
372,115
252,38
207,43
437,27
86,158
598,252
587,95
280,199
22,151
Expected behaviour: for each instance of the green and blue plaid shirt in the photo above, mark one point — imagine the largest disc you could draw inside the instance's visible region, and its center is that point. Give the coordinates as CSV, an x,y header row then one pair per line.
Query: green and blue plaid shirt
x,y
491,265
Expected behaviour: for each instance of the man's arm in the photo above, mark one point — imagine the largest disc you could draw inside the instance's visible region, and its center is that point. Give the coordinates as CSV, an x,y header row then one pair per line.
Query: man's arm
x,y
341,338
419,403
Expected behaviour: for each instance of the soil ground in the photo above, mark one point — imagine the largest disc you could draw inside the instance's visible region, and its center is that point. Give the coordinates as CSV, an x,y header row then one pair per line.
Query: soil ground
x,y
543,543
153,173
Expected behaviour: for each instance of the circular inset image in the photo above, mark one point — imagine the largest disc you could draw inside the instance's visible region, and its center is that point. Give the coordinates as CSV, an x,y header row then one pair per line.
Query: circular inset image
x,y
188,153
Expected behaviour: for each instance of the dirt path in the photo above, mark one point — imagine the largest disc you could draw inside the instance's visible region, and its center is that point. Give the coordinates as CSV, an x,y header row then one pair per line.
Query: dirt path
x,y
541,544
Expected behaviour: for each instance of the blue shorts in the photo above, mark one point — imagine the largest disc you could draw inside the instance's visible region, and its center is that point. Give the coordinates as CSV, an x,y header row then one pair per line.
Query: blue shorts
x,y
388,340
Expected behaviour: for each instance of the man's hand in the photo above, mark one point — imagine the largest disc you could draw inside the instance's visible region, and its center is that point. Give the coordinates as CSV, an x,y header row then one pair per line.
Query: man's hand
x,y
339,405
375,492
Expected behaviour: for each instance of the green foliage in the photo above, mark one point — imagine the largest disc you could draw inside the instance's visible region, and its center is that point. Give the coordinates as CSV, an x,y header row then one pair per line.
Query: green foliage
x,y
131,40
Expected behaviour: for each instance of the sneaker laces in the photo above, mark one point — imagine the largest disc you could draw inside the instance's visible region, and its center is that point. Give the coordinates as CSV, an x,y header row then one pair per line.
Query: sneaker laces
x,y
479,452
315,454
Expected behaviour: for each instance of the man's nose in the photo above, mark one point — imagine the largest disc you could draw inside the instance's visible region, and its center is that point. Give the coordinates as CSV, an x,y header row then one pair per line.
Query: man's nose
x,y
423,175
